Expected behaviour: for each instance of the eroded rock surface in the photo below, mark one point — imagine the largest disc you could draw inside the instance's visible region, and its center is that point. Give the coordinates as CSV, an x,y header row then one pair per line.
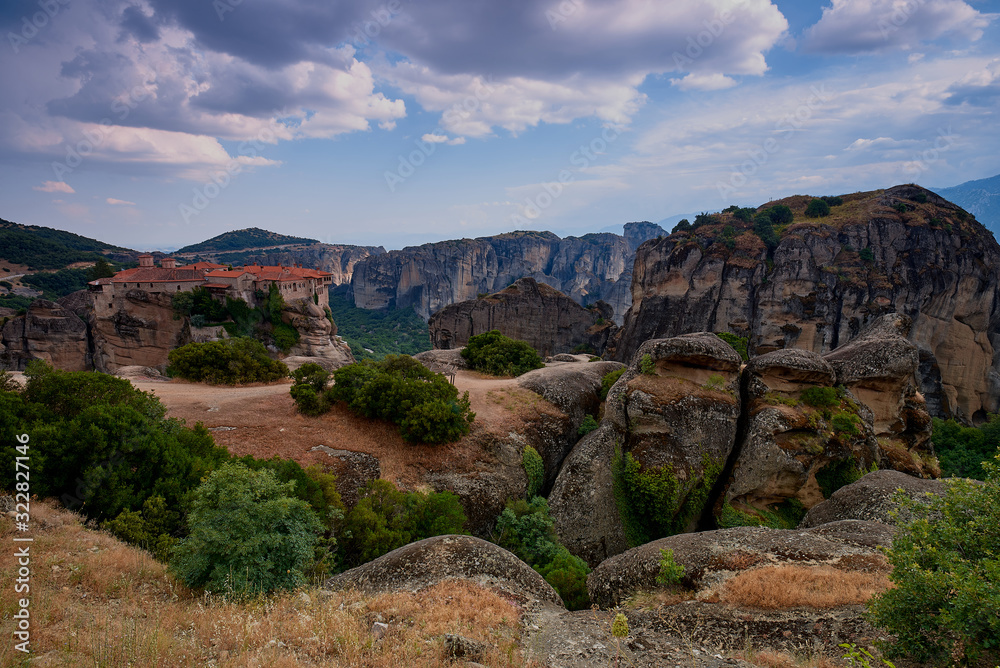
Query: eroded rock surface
x,y
870,498
317,335
48,332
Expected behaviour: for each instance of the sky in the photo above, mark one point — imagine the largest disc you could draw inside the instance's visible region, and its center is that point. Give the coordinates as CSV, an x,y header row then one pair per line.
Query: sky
x,y
157,123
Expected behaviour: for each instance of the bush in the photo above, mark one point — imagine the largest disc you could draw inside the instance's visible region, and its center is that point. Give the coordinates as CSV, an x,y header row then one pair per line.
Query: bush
x,y
588,425
609,380
526,529
945,607
961,450
285,336
867,254
738,343
845,424
833,200
309,401
837,474
820,397
248,535
779,215
763,227
311,374
402,390
647,366
534,469
817,208
226,362
670,571
385,518
498,355
683,225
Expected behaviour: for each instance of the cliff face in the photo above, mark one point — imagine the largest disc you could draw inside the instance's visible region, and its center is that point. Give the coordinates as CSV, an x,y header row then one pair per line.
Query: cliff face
x,y
902,250
337,259
47,331
528,311
430,277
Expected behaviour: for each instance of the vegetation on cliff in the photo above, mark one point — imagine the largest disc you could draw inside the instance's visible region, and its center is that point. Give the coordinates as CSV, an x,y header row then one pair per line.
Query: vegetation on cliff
x,y
498,355
961,450
46,248
251,237
375,334
227,362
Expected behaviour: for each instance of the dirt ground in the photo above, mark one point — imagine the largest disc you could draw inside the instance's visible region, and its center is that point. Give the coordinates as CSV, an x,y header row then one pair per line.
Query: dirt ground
x,y
261,420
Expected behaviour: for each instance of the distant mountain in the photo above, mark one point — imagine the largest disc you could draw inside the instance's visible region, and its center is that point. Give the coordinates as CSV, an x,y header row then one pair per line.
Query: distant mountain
x,y
980,198
252,237
46,248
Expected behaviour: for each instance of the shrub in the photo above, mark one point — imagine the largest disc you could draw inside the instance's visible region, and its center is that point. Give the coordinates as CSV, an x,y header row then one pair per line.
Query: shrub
x,y
588,425
526,529
845,424
715,382
402,390
609,380
867,254
647,366
763,227
817,208
820,397
654,503
285,336
961,450
150,529
226,362
311,374
833,200
498,355
945,607
683,225
837,474
534,469
309,401
779,214
248,535
670,571
738,343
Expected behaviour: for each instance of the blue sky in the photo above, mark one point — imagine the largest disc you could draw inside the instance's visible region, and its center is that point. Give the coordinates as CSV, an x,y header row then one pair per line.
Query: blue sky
x,y
157,123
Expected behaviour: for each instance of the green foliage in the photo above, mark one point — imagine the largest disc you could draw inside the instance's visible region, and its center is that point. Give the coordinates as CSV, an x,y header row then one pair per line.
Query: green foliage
x,y
817,208
402,390
252,237
739,343
385,518
619,626
744,214
46,248
56,284
961,450
779,215
785,515
534,469
763,227
609,380
526,529
101,269
833,200
653,503
683,225
227,362
867,254
670,571
499,355
394,332
285,336
588,425
820,397
309,401
248,534
311,374
861,658
716,381
149,529
647,366
901,207
845,424
945,607
838,473
704,218
17,302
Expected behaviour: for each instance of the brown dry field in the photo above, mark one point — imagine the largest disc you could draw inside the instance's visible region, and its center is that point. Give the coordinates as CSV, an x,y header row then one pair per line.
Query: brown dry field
x,y
266,424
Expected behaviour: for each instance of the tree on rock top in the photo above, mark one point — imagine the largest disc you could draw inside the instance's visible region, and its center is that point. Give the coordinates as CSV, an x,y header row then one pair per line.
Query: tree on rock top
x,y
499,355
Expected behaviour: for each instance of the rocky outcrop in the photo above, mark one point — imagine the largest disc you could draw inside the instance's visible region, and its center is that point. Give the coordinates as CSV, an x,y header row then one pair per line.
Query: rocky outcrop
x,y
900,250
48,332
428,562
429,277
712,557
318,338
528,311
141,330
338,259
870,498
353,470
673,411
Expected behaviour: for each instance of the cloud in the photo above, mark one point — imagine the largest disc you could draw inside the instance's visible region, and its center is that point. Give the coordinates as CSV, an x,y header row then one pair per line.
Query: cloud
x,y
704,82
860,26
442,139
979,88
55,187
119,202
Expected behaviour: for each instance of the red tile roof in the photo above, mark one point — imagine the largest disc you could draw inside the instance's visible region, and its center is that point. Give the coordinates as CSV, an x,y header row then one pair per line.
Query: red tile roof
x,y
158,275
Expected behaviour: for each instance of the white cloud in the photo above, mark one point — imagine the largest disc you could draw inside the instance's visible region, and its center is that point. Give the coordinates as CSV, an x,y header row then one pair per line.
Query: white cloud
x,y
852,26
694,81
55,187
119,202
442,139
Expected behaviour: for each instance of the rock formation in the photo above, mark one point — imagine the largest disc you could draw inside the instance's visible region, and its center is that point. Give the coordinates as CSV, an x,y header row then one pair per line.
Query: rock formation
x,y
48,332
528,311
902,250
429,277
870,498
675,411
338,259
430,561
318,340
141,331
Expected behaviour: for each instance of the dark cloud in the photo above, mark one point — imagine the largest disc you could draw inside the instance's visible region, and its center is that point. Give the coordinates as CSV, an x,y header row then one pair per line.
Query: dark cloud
x,y
140,26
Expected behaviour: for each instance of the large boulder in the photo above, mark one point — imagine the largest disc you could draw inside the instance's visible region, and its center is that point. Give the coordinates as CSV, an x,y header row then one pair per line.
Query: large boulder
x,y
428,562
674,412
870,498
879,367
789,445
136,328
528,311
48,332
712,557
317,335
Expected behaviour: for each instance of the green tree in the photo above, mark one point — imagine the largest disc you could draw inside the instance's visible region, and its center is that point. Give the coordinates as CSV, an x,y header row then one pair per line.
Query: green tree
x,y
683,225
961,450
248,535
945,606
817,208
101,269
226,362
499,355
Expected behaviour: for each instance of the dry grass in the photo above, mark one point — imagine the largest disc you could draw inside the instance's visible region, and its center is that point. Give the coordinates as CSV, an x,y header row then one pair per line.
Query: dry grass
x,y
773,659
652,600
783,587
98,602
